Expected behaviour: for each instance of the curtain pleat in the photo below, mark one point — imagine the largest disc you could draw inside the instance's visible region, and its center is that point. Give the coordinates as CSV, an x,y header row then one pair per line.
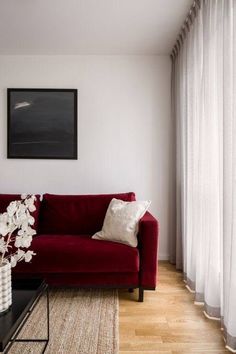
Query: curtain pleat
x,y
204,107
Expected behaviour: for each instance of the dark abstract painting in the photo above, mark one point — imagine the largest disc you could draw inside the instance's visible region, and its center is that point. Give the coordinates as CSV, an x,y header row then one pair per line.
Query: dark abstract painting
x,y
42,123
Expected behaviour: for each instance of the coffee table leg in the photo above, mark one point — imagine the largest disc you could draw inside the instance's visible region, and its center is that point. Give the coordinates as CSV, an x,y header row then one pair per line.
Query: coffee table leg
x,y
14,339
48,322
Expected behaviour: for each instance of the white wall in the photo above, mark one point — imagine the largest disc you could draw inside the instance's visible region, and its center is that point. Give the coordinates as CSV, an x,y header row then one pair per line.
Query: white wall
x,y
124,129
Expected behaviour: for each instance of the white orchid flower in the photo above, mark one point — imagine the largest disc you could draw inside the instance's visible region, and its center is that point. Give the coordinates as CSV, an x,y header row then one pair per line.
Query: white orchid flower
x,y
20,255
12,208
28,255
4,224
32,208
18,243
23,241
26,241
31,220
4,217
30,231
13,261
4,229
30,204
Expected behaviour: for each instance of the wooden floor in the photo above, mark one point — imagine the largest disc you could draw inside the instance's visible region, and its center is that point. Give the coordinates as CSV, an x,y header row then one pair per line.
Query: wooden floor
x,y
167,322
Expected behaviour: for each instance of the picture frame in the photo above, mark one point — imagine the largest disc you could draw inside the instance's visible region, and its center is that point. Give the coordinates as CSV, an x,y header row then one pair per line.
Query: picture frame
x,y
42,123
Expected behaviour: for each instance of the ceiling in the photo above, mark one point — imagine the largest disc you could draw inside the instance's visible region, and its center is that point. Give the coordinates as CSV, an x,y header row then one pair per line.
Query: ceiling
x,y
90,26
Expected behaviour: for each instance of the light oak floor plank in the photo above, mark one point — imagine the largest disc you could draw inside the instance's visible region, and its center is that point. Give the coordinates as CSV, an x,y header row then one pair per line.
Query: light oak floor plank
x,y
167,322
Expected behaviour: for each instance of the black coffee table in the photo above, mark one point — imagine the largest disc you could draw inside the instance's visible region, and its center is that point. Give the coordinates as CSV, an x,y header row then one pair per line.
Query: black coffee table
x,y
25,296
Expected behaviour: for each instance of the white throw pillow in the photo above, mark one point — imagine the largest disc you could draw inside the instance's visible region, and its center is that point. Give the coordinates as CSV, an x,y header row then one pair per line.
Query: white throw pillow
x,y
121,221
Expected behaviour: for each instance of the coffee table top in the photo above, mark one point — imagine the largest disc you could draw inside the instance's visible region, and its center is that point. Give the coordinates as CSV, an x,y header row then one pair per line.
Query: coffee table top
x,y
24,293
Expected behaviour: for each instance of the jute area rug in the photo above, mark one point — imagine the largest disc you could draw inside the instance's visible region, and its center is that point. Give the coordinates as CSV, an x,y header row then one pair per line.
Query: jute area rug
x,y
81,322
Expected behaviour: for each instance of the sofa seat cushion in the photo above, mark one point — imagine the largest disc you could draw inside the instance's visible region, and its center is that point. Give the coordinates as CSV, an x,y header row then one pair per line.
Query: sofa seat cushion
x,y
79,254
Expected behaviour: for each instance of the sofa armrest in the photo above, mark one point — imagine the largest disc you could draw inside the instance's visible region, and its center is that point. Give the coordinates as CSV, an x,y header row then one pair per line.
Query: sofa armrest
x,y
148,246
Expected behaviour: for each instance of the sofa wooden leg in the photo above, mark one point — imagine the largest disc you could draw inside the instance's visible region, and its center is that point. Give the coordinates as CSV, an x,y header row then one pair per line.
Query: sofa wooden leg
x,y
140,294
131,290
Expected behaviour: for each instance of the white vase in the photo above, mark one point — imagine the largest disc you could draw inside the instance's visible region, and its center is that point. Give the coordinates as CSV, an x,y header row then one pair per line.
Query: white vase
x,y
5,287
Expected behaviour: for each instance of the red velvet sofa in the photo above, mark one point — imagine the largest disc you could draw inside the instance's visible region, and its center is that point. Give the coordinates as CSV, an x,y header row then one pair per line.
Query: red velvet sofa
x,y
68,256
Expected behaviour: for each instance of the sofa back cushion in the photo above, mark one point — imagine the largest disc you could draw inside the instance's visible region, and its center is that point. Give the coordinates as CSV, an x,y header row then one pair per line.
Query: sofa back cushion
x,y
6,199
76,214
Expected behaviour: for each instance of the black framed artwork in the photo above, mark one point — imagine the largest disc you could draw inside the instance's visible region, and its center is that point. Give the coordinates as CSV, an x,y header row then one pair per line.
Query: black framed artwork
x,y
42,123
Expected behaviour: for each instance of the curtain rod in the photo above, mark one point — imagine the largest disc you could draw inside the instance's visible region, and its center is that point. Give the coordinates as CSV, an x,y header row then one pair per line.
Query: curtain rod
x,y
185,28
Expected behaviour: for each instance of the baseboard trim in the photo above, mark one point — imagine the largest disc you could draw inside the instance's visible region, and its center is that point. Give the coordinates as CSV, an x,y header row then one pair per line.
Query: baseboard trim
x,y
163,257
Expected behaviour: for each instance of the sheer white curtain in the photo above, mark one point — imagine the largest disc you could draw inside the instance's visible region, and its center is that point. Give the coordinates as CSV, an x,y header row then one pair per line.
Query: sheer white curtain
x,y
204,106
